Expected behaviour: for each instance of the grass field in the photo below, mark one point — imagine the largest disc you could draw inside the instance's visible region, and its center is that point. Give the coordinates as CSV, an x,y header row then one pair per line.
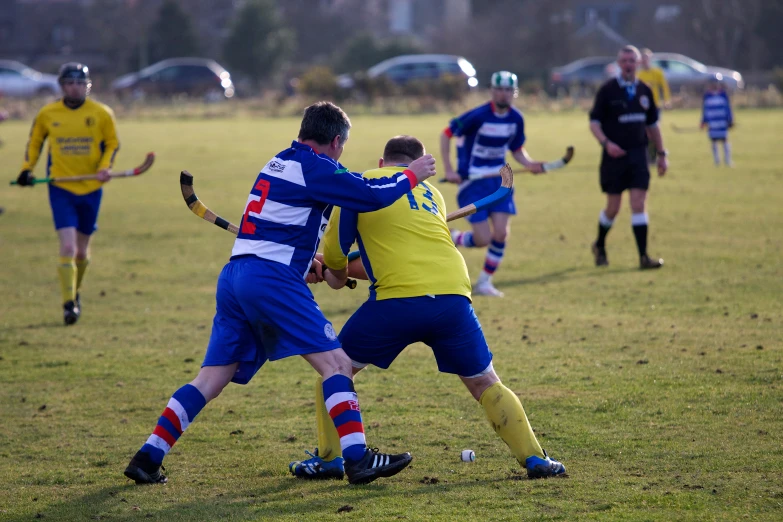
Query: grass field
x,y
661,392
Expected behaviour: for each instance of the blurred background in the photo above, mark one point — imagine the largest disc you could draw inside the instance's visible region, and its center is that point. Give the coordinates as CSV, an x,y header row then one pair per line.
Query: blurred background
x,y
385,56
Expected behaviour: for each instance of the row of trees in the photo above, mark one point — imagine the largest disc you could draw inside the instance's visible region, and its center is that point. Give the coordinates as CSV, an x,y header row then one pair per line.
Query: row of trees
x,y
257,45
265,40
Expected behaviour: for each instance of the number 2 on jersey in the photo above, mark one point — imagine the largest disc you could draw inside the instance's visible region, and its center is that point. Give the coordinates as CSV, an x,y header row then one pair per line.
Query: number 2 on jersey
x,y
255,207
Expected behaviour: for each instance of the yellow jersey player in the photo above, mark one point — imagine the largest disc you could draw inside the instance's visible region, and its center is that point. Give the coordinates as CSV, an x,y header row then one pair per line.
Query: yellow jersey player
x,y
82,140
655,80
420,292
662,95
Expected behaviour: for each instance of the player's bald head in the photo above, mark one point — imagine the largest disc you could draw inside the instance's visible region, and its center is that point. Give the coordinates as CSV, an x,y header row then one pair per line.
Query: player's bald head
x,y
402,150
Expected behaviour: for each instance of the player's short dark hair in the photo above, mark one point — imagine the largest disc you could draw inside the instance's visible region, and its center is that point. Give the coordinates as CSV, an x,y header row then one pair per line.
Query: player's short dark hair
x,y
323,121
403,149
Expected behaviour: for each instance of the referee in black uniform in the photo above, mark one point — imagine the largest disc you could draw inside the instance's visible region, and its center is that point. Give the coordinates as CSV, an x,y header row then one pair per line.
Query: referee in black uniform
x,y
623,119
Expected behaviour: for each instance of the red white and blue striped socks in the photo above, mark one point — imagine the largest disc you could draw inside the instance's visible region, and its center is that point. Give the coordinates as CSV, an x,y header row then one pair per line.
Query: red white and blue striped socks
x,y
343,407
462,238
181,410
492,262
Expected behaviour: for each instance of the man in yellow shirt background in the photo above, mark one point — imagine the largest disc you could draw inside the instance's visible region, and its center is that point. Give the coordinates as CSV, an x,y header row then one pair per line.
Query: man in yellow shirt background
x,y
662,95
420,292
82,140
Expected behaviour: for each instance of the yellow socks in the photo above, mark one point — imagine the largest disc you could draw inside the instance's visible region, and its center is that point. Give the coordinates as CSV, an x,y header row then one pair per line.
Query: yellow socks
x,y
328,438
81,268
508,418
66,270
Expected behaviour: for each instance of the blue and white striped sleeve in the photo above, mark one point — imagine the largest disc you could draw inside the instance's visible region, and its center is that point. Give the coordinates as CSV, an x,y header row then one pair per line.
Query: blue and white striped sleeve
x,y
350,190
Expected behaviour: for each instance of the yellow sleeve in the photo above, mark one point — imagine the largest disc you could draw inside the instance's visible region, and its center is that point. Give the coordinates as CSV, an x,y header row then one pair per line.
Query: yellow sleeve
x,y
110,140
333,253
667,93
38,134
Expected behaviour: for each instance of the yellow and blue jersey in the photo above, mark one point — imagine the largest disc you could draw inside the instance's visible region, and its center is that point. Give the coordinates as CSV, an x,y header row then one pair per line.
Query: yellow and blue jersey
x,y
656,81
406,248
81,141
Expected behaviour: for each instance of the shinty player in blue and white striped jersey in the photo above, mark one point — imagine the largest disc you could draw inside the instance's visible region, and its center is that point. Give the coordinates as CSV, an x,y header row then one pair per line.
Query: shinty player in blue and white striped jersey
x,y
483,136
265,311
718,118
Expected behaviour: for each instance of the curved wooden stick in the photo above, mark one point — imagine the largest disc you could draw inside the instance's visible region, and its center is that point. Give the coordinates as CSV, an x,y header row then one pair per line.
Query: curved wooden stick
x,y
506,186
201,210
141,169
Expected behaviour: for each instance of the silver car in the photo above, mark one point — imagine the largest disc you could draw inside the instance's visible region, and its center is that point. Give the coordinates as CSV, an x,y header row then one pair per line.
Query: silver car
x,y
680,71
19,81
410,67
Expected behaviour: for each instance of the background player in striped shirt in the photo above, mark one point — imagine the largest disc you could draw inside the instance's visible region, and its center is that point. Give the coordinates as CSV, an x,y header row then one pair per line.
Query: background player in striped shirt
x,y
484,134
420,292
717,117
265,311
82,140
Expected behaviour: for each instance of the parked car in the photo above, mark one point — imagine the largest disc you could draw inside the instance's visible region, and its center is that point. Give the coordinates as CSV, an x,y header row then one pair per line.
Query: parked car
x,y
680,71
20,81
587,72
409,67
191,76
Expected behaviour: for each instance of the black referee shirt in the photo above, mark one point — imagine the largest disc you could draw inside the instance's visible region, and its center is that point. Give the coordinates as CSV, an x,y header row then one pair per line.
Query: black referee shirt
x,y
625,110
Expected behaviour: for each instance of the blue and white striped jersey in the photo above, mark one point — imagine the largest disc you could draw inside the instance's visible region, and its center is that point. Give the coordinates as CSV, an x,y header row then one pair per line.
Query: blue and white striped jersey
x,y
291,201
484,137
716,114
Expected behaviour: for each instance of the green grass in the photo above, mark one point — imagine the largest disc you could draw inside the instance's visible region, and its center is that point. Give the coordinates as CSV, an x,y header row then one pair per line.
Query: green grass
x,y
661,392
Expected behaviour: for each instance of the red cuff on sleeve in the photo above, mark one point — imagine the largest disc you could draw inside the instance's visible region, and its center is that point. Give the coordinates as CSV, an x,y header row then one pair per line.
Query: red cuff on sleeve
x,y
411,177
448,132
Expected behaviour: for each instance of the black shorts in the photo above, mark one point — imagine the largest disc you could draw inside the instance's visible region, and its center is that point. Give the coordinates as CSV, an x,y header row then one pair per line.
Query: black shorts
x,y
621,174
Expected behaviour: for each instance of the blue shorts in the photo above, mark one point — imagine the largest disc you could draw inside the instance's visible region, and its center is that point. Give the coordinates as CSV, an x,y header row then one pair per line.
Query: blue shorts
x,y
71,210
264,312
473,190
379,330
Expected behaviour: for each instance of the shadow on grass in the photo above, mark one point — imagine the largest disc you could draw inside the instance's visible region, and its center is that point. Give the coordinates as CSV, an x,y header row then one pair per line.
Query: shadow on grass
x,y
278,498
565,274
51,324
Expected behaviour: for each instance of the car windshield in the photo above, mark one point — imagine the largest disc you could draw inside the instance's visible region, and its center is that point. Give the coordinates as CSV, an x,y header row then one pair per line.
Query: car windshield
x,y
680,63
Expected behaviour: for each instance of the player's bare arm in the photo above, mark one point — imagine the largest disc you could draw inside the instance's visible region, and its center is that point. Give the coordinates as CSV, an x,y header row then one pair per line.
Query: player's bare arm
x,y
445,154
521,155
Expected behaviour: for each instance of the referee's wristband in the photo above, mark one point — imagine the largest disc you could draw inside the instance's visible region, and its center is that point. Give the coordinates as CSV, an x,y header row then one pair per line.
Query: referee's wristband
x,y
604,142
